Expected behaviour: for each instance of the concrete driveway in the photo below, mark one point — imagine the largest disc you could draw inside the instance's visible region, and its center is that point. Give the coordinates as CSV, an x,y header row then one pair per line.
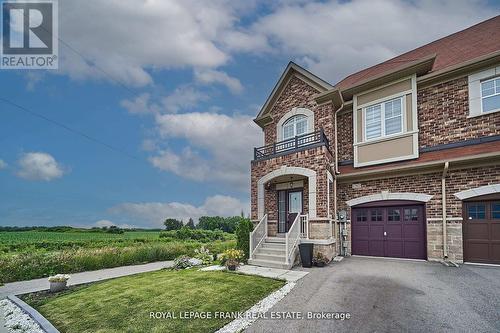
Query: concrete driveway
x,y
385,295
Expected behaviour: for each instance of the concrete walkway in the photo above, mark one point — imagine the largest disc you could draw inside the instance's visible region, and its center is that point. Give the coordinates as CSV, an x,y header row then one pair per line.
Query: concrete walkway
x,y
273,273
22,287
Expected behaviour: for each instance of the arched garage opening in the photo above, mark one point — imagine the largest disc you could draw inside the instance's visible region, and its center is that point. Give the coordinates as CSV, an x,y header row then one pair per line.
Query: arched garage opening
x,y
389,225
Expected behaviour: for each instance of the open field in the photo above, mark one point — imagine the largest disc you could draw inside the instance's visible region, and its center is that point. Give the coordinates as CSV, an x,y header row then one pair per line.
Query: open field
x,y
18,241
28,255
124,304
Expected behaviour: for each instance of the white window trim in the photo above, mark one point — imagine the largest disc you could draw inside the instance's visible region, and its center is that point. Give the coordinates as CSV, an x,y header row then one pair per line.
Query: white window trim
x,y
291,113
482,97
294,118
475,91
402,98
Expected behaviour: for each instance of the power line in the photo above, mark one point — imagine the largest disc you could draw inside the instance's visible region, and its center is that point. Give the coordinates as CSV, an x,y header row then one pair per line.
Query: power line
x,y
69,129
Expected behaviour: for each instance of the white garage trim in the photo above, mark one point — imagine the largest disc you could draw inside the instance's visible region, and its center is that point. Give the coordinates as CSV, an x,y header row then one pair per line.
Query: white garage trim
x,y
475,192
284,170
389,196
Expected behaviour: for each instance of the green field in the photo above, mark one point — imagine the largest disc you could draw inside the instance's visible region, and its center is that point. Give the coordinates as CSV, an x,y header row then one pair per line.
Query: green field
x,y
33,254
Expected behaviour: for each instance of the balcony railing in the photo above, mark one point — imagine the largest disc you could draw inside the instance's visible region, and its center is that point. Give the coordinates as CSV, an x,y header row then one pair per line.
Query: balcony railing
x,y
288,146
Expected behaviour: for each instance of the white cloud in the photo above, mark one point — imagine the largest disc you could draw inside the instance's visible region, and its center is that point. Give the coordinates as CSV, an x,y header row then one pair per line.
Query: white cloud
x,y
227,140
156,212
39,166
140,105
208,76
184,97
337,38
3,164
128,37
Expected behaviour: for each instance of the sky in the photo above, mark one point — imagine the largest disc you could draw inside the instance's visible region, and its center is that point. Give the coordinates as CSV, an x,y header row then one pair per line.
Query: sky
x,y
150,113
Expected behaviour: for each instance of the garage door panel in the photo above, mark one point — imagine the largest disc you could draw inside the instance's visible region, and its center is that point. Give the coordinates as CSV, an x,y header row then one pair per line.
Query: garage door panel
x,y
377,232
376,248
412,231
478,250
361,247
481,231
477,230
495,231
413,249
404,229
394,231
394,249
361,231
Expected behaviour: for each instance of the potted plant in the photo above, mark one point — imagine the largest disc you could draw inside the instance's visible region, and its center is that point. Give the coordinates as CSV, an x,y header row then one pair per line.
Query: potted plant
x,y
320,260
232,258
58,282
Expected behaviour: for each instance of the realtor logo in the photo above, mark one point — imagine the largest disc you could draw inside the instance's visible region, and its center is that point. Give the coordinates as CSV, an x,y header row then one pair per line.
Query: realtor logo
x,y
29,35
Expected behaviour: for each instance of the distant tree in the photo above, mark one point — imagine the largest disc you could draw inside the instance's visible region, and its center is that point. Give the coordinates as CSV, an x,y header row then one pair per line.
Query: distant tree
x,y
172,224
226,224
242,213
190,224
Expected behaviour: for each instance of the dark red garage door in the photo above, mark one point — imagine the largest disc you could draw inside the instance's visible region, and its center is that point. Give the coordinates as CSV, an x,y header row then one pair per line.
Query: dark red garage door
x,y
395,230
481,231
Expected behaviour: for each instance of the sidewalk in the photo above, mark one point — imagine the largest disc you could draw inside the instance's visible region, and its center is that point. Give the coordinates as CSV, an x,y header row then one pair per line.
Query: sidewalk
x,y
22,287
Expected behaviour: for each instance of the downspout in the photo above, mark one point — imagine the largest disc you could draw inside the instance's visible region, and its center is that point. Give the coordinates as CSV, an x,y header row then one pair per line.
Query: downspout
x,y
336,173
443,201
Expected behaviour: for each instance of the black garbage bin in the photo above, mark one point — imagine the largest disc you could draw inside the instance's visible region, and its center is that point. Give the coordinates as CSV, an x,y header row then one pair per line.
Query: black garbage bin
x,y
306,254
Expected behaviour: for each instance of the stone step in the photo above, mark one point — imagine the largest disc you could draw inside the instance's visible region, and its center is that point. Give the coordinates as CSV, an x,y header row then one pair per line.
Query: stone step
x,y
275,246
268,263
275,240
271,251
269,257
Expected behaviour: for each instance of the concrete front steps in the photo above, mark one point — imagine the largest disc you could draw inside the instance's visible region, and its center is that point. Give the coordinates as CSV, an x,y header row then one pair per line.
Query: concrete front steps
x,y
271,253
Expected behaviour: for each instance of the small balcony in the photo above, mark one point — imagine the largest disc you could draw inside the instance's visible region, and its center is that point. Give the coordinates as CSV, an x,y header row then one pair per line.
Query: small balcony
x,y
288,146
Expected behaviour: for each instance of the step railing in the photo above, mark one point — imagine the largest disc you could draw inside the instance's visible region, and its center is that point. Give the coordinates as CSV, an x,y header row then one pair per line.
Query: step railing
x,y
292,240
304,226
258,235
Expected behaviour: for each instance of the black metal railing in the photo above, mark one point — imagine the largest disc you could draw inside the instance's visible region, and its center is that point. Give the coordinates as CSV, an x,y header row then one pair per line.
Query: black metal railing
x,y
290,145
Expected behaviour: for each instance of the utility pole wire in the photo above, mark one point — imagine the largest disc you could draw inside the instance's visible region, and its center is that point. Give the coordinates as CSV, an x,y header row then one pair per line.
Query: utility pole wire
x,y
69,129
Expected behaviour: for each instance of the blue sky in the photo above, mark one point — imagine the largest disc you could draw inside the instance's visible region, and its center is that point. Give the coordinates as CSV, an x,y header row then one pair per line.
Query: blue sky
x,y
173,87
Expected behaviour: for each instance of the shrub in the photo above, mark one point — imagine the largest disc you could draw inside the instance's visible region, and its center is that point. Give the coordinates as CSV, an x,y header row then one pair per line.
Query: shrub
x,y
245,226
204,255
232,257
182,262
186,233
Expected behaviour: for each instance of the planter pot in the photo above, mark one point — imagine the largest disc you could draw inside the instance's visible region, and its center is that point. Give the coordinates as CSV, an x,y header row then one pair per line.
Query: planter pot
x,y
320,264
231,267
57,286
306,254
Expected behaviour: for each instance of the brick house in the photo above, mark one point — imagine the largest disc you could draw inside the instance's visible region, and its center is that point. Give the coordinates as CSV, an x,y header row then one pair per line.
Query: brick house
x,y
387,162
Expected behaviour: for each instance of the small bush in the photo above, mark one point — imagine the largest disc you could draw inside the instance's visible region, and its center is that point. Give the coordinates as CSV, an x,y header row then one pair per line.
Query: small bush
x,y
204,255
182,262
243,229
186,233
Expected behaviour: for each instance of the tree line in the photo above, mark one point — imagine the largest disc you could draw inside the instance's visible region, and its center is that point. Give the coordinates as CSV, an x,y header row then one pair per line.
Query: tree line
x,y
226,224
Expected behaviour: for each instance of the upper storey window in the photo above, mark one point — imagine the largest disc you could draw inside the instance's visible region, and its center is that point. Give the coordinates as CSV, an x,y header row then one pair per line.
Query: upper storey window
x,y
384,119
490,95
296,125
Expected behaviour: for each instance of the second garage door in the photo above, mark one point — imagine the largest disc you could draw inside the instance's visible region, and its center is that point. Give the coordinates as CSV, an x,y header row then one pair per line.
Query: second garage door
x,y
392,231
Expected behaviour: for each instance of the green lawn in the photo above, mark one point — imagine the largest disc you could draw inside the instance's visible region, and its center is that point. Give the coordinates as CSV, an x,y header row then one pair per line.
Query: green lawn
x,y
124,304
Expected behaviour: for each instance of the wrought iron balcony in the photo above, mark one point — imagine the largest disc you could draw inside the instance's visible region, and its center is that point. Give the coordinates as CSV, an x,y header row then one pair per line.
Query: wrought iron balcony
x,y
301,142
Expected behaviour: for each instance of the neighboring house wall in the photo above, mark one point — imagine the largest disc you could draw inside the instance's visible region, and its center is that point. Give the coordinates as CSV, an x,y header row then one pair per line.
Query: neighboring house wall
x,y
443,115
